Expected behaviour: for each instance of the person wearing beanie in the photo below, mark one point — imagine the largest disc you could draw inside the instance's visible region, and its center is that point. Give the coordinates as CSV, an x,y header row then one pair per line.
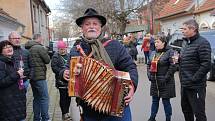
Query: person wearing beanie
x,y
58,63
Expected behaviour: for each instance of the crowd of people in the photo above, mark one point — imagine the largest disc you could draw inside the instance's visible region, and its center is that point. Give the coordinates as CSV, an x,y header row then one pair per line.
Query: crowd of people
x,y
147,42
20,66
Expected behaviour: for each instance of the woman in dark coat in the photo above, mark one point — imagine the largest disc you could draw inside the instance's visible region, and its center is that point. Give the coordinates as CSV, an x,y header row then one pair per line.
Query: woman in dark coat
x,y
13,99
58,63
161,71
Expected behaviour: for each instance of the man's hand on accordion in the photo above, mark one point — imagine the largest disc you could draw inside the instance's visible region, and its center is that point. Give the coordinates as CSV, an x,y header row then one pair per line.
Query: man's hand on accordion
x,y
66,75
78,68
129,97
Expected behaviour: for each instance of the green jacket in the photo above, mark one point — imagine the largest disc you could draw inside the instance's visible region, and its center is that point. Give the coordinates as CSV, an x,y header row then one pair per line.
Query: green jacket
x,y
39,58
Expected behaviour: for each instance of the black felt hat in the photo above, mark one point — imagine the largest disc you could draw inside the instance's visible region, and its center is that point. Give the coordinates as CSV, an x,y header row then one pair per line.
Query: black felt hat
x,y
90,12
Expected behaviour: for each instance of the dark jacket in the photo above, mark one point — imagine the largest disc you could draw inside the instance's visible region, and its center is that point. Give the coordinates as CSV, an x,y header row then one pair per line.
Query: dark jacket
x,y
163,82
21,53
195,62
131,48
121,60
13,100
57,64
38,58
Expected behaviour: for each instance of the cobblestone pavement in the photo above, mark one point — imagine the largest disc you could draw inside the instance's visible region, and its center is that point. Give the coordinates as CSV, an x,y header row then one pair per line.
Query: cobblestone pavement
x,y
54,108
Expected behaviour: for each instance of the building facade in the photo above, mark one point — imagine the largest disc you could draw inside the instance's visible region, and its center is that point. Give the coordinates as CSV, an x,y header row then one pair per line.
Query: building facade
x,y
8,24
33,14
176,12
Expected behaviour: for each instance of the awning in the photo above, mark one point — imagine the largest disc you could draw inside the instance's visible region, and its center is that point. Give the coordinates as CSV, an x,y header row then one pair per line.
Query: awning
x,y
135,28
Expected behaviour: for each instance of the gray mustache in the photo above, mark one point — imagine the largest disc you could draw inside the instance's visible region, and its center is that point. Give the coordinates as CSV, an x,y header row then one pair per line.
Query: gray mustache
x,y
91,30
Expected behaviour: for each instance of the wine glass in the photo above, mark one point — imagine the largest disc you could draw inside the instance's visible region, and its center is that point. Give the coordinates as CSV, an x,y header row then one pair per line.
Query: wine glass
x,y
21,68
175,57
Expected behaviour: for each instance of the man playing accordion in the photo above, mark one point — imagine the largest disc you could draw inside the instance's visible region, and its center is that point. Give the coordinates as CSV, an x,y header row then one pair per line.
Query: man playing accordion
x,y
111,52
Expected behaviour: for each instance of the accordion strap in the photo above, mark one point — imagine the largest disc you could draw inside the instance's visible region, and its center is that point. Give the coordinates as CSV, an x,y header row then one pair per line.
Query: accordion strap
x,y
79,48
106,42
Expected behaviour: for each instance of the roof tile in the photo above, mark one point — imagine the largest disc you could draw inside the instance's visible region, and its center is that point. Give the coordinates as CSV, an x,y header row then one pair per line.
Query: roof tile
x,y
173,7
207,5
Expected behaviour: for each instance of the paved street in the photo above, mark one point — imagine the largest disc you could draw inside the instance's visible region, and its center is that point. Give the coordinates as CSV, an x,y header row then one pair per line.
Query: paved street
x,y
140,105
142,100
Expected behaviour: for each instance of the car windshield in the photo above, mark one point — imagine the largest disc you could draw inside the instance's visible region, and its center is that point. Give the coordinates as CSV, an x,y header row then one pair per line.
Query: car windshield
x,y
210,36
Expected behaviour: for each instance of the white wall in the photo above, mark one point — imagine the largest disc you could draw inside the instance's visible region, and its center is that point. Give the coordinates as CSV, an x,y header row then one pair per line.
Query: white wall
x,y
206,18
41,25
173,24
5,28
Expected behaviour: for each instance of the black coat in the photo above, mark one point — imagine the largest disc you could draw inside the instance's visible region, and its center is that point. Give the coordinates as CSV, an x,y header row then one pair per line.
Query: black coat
x,y
163,82
57,64
19,53
195,62
13,100
131,48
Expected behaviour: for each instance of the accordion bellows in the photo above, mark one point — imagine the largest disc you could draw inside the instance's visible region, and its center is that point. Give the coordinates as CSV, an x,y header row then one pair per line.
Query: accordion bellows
x,y
102,87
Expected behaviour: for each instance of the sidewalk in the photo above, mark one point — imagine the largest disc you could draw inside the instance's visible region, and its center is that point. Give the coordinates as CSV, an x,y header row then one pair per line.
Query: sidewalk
x,y
54,108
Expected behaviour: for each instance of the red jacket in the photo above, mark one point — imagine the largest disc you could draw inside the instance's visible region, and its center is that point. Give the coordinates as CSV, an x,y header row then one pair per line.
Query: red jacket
x,y
146,44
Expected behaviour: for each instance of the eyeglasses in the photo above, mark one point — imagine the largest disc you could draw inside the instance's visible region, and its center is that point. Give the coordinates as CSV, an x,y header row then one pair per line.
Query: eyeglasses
x,y
8,46
15,38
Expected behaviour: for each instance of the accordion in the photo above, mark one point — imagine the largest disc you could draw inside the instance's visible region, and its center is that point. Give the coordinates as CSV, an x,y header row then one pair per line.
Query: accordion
x,y
100,86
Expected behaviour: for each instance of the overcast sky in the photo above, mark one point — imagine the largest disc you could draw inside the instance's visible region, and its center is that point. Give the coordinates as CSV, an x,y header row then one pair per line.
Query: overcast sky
x,y
52,3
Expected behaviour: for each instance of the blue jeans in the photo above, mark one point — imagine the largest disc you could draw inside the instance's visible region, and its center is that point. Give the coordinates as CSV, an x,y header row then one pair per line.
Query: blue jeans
x,y
26,83
126,117
146,53
155,106
41,100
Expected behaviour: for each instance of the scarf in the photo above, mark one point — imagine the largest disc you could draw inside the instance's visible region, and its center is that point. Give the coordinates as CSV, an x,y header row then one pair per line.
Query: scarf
x,y
98,50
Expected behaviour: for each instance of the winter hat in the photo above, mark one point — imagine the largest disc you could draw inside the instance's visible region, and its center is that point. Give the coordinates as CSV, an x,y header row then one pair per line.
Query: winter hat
x,y
89,13
61,44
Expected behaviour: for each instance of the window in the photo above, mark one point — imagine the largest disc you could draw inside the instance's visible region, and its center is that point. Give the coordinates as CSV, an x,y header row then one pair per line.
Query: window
x,y
34,14
204,26
213,25
41,17
200,2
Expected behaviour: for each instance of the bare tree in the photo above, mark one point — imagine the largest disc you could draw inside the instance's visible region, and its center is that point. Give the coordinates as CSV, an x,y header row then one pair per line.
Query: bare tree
x,y
61,29
117,12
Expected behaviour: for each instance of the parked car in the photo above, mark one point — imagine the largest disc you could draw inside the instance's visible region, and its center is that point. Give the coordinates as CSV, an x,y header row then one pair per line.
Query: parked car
x,y
177,42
